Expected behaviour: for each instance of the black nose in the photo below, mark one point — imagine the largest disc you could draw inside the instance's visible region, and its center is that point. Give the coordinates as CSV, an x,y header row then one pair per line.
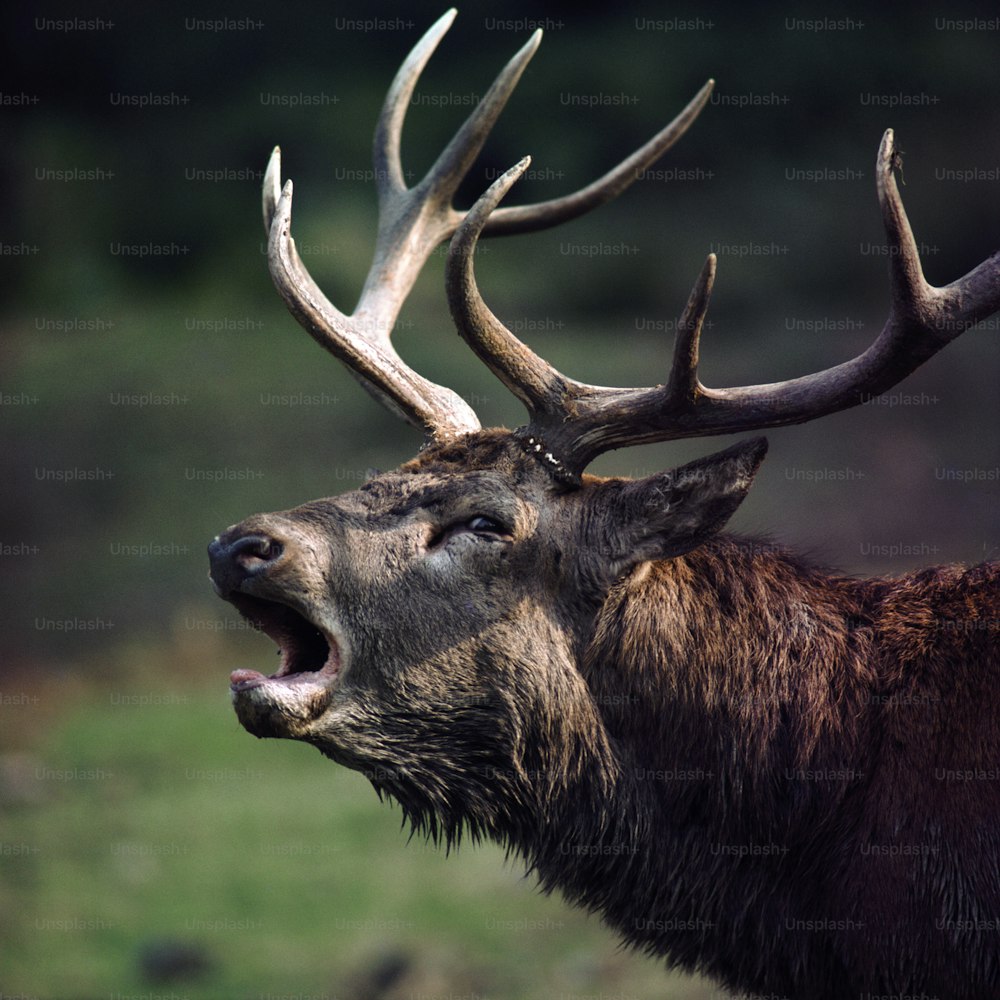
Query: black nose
x,y
235,559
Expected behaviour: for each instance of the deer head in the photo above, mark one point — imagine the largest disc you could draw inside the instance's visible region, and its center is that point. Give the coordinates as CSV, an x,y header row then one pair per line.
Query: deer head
x,y
432,624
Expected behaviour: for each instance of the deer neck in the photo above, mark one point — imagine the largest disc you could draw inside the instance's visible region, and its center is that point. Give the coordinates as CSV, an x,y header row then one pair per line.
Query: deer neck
x,y
721,669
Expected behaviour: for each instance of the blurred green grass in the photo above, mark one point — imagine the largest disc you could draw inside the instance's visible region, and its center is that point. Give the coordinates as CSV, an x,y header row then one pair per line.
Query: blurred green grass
x,y
141,819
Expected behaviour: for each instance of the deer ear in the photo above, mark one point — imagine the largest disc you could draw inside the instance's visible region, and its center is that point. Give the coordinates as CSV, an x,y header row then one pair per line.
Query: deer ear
x,y
670,513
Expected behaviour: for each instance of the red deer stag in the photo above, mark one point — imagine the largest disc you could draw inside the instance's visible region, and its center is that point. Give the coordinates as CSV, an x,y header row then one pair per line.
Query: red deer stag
x,y
513,648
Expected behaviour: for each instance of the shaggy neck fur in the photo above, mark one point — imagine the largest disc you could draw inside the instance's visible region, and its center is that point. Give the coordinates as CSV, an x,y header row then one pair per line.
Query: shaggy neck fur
x,y
748,726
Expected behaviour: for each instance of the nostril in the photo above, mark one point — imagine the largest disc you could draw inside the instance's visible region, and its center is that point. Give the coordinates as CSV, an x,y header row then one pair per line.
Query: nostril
x,y
255,550
233,562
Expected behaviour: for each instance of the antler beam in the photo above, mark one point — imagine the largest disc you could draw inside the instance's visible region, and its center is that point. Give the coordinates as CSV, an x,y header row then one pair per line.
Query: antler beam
x,y
572,422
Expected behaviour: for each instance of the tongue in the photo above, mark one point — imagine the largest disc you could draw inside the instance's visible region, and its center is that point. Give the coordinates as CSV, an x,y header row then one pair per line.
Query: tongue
x,y
240,679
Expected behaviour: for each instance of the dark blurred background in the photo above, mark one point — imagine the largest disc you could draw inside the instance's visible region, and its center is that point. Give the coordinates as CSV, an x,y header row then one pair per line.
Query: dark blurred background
x,y
144,350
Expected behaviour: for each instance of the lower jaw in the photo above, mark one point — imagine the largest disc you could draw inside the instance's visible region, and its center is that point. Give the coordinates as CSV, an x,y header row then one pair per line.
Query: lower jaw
x,y
281,708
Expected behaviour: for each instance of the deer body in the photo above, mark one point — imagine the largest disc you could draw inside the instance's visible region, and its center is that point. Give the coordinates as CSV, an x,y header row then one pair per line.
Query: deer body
x,y
785,778
821,809
754,768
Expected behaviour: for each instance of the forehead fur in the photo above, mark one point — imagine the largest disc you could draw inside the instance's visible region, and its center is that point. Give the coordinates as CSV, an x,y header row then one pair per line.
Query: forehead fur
x,y
495,449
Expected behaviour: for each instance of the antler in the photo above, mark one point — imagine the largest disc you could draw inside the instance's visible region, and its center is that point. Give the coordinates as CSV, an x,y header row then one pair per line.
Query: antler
x,y
572,422
412,222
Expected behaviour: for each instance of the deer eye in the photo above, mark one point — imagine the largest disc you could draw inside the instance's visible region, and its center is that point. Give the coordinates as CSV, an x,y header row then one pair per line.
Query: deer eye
x,y
478,525
485,525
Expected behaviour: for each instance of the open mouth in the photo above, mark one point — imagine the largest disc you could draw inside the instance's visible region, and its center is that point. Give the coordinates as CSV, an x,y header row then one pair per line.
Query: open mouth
x,y
308,654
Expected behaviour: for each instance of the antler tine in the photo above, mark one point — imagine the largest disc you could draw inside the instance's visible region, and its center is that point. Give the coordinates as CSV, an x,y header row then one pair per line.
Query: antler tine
x,y
683,384
389,128
543,214
572,422
412,222
532,379
943,313
271,191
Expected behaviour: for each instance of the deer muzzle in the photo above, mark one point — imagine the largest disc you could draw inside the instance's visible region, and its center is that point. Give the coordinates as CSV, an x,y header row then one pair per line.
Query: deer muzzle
x,y
265,578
